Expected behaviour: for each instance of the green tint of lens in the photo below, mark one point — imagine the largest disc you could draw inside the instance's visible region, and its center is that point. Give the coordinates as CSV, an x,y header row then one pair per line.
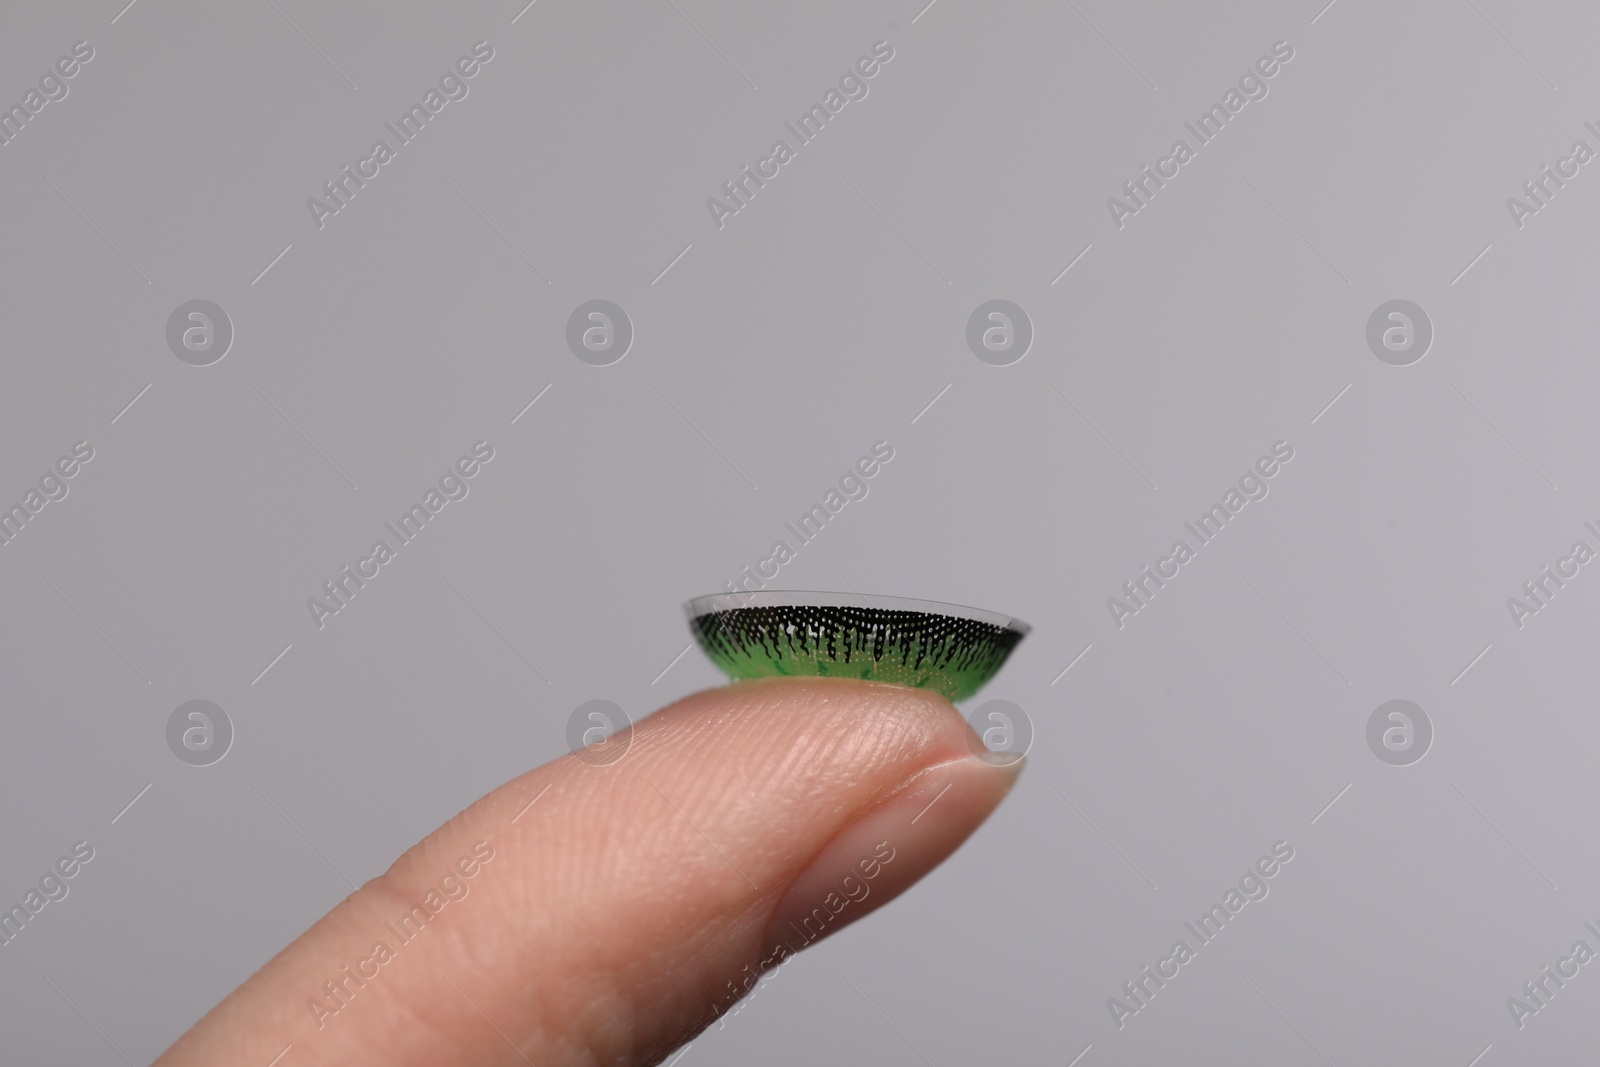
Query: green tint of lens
x,y
949,649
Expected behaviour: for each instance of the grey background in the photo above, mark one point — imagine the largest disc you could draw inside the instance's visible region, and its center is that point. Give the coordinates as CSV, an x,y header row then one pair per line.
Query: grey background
x,y
1222,318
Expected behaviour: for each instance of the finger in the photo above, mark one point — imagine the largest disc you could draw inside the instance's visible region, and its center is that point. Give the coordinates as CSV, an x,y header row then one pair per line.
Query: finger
x,y
588,914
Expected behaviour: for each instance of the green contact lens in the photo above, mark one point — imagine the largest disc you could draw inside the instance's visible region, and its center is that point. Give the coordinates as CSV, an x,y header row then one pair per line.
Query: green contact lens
x,y
944,647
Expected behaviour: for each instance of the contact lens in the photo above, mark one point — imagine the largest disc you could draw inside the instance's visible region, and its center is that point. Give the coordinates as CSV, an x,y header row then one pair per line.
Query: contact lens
x,y
944,647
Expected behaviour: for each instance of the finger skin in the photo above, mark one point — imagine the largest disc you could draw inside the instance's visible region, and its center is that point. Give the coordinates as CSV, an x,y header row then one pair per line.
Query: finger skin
x,y
611,910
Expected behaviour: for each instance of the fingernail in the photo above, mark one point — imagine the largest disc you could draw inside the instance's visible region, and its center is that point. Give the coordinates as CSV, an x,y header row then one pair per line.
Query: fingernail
x,y
877,857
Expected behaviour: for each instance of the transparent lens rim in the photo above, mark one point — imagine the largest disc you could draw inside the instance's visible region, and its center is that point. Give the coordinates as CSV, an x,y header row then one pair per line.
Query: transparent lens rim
x,y
813,598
